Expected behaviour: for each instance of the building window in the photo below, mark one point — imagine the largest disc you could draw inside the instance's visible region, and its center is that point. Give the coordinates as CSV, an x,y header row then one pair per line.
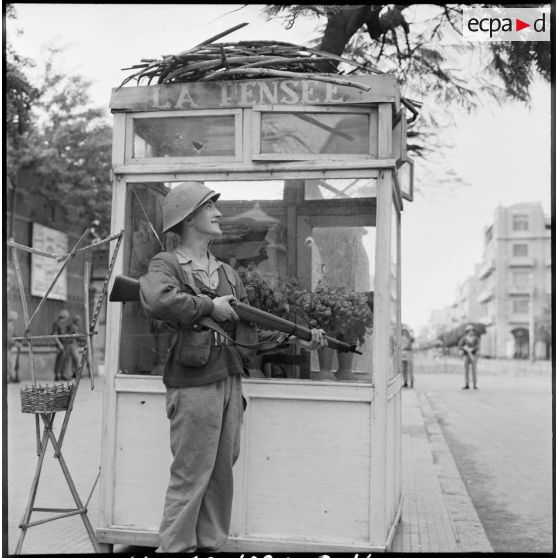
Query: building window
x,y
520,250
521,306
520,222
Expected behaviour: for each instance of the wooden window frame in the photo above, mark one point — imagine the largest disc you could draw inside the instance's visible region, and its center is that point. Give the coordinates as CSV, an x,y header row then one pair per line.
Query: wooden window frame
x,y
373,132
238,143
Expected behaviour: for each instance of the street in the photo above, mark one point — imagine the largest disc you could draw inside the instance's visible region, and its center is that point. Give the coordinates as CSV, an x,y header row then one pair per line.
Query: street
x,y
501,439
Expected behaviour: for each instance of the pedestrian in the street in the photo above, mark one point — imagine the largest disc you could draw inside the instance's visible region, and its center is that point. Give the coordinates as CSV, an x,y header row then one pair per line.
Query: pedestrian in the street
x,y
202,373
407,341
73,345
469,346
14,347
60,327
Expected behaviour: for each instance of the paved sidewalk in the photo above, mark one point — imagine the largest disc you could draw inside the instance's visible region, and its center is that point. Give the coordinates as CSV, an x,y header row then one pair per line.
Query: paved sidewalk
x,y
437,516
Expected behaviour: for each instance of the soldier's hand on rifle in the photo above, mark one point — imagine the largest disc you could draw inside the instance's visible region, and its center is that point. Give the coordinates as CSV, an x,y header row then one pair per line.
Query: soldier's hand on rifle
x,y
222,309
318,340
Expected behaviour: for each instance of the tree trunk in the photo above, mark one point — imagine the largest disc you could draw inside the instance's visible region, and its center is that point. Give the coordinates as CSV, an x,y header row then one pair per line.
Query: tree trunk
x,y
340,28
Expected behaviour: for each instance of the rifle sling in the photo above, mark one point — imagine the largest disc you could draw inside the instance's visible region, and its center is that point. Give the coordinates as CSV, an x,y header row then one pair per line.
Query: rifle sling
x,y
263,346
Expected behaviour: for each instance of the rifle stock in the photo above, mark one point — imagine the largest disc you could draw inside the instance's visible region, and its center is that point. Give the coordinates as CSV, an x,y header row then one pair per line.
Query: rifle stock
x,y
127,289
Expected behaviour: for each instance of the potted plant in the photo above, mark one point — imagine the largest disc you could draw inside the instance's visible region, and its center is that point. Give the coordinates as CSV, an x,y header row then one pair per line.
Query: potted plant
x,y
343,313
274,294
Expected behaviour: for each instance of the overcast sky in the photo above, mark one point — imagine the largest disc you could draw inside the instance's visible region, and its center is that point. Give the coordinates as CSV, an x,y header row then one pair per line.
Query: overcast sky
x,y
502,152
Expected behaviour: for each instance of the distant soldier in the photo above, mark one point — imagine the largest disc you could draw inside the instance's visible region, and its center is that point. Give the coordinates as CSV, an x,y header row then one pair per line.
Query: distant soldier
x,y
13,346
407,340
469,346
60,327
73,346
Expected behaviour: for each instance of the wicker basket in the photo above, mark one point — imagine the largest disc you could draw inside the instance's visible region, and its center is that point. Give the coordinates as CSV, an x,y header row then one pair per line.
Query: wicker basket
x,y
45,399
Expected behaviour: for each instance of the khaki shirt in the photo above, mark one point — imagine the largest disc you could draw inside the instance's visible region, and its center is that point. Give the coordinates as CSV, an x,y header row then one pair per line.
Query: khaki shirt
x,y
208,276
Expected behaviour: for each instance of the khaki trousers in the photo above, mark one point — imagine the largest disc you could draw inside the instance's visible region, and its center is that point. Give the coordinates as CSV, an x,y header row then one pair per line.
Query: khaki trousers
x,y
205,424
472,363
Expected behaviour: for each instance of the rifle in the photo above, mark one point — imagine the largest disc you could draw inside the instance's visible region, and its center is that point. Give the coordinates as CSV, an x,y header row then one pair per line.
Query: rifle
x,y
127,289
468,351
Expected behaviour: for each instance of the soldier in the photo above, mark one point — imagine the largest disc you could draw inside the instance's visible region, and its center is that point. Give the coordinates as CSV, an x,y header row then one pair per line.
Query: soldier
x,y
469,346
13,363
72,348
202,373
407,357
59,327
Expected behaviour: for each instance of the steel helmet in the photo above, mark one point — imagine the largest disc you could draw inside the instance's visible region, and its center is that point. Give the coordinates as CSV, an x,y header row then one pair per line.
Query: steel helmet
x,y
183,200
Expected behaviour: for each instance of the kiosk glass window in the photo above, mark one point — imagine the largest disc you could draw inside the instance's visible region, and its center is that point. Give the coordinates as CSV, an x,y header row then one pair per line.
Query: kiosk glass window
x,y
297,259
342,262
290,132
340,188
205,136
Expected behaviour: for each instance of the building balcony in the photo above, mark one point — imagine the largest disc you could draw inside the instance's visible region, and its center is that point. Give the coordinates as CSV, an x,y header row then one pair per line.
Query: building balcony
x,y
486,268
519,319
486,294
520,289
521,261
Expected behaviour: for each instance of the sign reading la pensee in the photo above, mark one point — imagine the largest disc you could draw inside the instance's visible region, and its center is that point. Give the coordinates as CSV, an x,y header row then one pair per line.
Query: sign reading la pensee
x,y
43,269
248,93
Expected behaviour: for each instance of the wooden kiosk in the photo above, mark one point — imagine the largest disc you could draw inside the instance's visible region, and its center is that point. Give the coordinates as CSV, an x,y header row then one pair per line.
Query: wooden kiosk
x,y
312,176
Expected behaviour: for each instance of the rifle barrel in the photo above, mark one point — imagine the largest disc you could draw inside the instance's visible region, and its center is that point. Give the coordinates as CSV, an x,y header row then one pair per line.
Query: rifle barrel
x,y
267,320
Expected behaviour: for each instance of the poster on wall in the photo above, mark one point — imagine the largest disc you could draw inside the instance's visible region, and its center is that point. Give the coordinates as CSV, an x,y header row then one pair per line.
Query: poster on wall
x,y
44,270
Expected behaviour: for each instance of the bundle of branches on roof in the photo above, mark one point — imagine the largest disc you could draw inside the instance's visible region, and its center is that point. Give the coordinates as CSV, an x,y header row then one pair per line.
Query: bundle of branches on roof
x,y
246,59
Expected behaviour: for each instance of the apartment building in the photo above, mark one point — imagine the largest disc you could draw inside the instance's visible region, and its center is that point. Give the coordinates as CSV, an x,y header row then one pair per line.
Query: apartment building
x,y
466,307
514,281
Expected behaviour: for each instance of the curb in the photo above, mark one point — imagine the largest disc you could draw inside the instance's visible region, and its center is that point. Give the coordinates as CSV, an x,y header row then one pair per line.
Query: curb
x,y
468,530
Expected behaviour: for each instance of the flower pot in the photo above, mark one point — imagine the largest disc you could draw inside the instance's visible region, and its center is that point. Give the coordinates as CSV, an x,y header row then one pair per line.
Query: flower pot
x,y
325,358
345,372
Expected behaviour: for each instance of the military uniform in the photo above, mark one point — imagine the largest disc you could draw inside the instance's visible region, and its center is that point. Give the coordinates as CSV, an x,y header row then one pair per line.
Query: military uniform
x,y
407,360
59,327
202,372
471,343
204,403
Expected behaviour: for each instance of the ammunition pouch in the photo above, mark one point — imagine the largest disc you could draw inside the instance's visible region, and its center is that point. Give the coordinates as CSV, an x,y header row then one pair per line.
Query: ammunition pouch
x,y
193,347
